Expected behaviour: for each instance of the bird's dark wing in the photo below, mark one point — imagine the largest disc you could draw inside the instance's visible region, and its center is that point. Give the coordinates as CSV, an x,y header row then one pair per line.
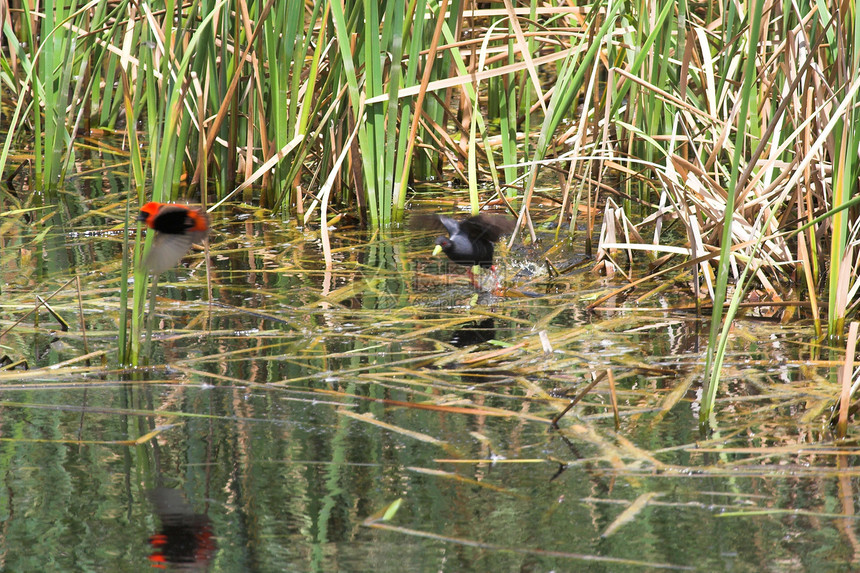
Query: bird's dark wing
x,y
425,223
488,227
434,223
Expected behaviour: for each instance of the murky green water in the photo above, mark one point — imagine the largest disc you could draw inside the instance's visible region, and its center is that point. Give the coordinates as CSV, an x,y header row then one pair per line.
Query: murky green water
x,y
291,408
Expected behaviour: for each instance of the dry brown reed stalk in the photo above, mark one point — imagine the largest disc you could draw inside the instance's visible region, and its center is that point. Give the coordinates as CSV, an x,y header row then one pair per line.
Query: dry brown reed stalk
x,y
845,380
215,125
582,394
81,316
613,398
693,181
40,302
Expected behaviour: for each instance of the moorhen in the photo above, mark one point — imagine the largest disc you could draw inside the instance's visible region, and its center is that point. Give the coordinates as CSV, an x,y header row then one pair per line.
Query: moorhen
x,y
469,241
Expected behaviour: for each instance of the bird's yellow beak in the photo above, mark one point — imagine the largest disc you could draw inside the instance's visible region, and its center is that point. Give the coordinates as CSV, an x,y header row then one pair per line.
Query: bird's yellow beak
x,y
437,250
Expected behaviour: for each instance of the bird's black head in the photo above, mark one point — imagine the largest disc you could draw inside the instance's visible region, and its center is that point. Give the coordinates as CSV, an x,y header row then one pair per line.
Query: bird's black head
x,y
444,242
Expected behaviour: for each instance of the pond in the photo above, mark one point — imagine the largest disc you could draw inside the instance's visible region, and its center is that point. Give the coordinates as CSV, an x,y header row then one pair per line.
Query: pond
x,y
384,416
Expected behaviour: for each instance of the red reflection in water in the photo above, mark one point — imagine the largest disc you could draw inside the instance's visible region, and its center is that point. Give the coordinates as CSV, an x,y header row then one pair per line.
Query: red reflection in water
x,y
186,539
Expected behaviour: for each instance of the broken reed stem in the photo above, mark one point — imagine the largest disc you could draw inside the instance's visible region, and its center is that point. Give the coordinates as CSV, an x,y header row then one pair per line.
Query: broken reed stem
x,y
35,308
845,376
64,326
576,400
81,315
613,398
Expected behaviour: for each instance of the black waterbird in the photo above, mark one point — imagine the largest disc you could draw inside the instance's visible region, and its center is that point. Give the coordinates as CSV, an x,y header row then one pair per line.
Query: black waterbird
x,y
469,241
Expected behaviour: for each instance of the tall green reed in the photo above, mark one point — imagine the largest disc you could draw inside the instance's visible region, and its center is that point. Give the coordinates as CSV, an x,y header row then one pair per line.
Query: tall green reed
x,y
276,78
168,119
715,352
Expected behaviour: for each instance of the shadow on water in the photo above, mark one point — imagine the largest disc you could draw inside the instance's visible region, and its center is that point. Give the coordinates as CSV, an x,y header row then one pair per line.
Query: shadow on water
x,y
297,405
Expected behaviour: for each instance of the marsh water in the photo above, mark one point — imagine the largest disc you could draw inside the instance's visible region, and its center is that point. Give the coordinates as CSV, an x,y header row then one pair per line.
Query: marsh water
x,y
383,416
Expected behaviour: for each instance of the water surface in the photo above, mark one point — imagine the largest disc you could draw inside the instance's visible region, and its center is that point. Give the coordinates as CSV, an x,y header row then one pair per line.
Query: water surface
x,y
282,409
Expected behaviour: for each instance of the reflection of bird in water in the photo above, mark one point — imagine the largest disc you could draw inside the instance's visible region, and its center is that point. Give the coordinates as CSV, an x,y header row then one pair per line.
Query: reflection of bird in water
x,y
186,540
474,333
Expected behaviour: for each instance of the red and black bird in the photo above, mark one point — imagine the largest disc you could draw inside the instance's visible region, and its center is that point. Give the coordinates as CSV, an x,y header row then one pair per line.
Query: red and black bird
x,y
176,227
